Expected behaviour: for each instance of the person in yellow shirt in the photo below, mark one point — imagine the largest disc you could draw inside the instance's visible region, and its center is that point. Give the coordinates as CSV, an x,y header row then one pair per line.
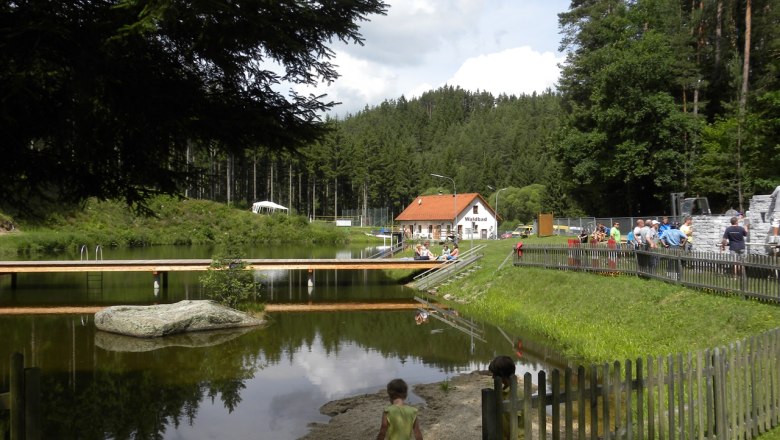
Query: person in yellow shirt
x,y
687,229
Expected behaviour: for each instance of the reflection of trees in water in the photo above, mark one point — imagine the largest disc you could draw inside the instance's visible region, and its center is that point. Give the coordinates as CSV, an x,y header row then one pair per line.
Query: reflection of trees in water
x,y
393,334
114,401
90,392
115,405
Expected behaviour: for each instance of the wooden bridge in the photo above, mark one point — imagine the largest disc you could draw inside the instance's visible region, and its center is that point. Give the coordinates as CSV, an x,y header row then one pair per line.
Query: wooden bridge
x,y
162,267
189,265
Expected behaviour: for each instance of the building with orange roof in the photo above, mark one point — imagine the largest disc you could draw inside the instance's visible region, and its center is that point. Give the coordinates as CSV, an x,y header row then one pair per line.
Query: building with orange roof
x,y
432,217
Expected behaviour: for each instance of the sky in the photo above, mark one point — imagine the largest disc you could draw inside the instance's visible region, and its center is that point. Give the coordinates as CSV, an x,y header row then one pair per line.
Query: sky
x,y
499,46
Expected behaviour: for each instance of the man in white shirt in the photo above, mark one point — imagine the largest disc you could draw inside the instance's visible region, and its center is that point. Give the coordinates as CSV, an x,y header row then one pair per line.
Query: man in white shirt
x,y
638,237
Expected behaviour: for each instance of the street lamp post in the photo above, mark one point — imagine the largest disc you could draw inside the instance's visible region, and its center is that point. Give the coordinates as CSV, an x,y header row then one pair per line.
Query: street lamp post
x,y
454,204
497,192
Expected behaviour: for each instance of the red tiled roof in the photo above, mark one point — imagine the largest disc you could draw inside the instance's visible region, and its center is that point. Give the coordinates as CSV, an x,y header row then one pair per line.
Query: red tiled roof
x,y
438,207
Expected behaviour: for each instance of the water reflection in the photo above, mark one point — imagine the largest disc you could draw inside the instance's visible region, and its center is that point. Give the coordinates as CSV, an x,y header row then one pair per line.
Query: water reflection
x,y
268,380
265,382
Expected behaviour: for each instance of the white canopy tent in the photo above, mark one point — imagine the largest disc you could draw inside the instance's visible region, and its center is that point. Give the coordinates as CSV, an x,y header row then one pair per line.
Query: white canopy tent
x,y
266,207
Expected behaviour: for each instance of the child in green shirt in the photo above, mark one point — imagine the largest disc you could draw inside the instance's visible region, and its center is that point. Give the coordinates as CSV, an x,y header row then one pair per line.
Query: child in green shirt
x,y
399,421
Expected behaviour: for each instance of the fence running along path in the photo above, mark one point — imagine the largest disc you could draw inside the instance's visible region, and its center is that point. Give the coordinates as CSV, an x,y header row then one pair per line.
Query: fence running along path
x,y
725,393
752,276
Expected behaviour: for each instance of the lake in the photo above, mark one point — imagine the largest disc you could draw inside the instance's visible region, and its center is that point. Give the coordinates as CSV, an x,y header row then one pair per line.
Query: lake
x,y
262,383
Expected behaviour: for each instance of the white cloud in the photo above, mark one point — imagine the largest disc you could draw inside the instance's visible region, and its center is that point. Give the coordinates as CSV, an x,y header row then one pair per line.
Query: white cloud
x,y
513,71
413,29
501,46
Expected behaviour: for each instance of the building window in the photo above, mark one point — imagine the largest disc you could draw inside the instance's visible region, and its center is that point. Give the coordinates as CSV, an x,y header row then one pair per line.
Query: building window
x,y
475,210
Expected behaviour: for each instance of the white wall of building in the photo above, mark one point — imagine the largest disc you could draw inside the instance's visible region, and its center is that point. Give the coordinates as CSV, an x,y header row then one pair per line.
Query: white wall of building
x,y
475,222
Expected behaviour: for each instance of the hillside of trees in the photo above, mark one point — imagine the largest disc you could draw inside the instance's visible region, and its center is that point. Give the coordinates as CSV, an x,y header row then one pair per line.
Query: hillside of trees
x,y
655,96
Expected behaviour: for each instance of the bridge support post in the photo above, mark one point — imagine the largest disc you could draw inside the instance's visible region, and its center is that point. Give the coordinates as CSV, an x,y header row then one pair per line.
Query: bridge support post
x,y
13,281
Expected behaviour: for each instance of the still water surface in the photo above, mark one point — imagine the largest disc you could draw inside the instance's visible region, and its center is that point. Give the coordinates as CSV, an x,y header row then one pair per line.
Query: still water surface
x,y
264,383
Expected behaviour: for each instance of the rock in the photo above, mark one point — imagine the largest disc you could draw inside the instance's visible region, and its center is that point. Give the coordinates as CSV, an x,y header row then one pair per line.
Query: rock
x,y
121,343
168,319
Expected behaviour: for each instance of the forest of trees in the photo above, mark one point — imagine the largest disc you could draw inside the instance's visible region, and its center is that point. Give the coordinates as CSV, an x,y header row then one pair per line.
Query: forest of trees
x,y
655,96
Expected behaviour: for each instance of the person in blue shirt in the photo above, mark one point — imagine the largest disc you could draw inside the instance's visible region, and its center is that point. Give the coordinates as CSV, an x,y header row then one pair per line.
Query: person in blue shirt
x,y
665,226
674,238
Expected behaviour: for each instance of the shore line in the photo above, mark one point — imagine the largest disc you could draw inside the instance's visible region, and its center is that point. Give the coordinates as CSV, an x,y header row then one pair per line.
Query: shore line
x,y
325,307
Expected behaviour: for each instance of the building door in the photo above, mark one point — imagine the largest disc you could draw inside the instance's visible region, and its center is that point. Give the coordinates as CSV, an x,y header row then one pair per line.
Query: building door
x,y
436,232
483,234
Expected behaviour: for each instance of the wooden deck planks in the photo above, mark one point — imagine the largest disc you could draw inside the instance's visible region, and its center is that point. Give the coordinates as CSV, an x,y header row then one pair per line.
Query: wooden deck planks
x,y
188,265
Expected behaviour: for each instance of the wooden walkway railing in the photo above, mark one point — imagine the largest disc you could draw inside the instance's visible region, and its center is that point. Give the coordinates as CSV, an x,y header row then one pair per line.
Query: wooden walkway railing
x,y
725,393
754,276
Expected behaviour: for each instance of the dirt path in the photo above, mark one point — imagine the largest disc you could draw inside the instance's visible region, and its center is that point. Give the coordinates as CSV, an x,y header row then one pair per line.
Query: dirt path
x,y
451,412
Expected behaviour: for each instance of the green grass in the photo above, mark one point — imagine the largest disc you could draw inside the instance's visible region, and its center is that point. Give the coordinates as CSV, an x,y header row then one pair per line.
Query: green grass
x,y
175,222
596,318
773,434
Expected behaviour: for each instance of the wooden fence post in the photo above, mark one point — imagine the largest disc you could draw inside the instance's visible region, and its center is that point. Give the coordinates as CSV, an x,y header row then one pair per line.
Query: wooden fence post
x,y
542,387
569,396
556,404
17,396
629,411
720,422
594,403
606,387
498,386
640,399
514,408
489,412
581,403
527,406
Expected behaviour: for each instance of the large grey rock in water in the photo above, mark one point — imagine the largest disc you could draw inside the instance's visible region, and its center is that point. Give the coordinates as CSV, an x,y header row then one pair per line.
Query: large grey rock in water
x,y
168,319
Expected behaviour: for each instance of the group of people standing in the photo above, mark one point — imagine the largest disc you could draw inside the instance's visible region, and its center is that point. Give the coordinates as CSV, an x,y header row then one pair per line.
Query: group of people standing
x,y
602,234
652,234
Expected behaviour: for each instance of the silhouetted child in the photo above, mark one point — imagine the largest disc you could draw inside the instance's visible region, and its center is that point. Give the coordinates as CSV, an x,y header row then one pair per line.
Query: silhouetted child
x,y
504,367
399,420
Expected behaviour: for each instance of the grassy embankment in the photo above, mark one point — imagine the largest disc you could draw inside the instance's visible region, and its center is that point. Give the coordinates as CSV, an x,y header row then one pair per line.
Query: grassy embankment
x,y
597,318
175,222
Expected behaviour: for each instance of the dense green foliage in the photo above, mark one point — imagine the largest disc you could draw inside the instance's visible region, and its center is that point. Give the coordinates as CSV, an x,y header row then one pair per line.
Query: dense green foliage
x,y
658,99
114,99
656,96
227,281
178,222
